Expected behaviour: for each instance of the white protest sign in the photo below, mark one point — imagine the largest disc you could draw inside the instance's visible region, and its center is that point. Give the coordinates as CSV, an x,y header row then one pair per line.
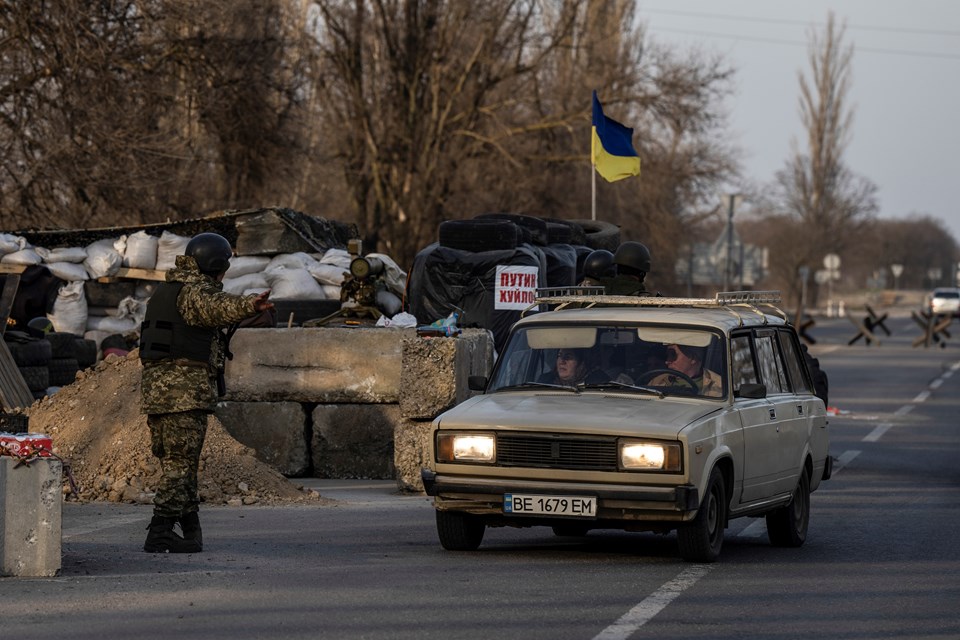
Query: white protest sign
x,y
515,287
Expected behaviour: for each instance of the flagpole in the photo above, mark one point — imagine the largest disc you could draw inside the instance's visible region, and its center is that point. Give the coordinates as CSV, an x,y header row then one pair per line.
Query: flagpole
x,y
593,192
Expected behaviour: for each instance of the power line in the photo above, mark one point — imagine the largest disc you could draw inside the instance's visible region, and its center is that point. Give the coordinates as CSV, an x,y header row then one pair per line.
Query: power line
x,y
719,16
728,36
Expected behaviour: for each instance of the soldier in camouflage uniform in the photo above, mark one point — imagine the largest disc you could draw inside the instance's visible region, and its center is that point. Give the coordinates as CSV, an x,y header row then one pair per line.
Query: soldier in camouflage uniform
x,y
633,265
183,351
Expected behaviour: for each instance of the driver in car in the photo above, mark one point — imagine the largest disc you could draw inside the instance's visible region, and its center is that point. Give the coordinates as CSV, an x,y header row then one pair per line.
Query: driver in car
x,y
687,362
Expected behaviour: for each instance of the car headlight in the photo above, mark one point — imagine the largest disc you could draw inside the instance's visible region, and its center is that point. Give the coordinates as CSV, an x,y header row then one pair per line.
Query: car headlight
x,y
466,447
650,456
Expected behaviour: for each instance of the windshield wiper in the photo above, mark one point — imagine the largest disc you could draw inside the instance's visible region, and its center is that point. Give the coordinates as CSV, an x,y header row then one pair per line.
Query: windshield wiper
x,y
613,384
538,385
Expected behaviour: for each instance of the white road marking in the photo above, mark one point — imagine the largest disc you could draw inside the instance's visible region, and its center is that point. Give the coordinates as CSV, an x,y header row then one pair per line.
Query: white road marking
x,y
936,383
904,410
923,395
653,604
845,458
876,434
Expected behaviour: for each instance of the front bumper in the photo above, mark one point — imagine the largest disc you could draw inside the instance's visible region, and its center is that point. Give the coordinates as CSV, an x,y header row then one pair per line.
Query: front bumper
x,y
616,502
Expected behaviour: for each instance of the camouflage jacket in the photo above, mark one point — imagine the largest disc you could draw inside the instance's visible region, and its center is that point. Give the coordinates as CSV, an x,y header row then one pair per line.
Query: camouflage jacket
x,y
172,387
621,285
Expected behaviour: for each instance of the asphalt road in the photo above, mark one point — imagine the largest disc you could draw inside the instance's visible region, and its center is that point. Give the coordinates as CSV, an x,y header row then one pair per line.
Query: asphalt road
x,y
882,558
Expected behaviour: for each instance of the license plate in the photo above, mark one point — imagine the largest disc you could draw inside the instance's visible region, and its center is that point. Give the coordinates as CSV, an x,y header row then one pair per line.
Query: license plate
x,y
528,504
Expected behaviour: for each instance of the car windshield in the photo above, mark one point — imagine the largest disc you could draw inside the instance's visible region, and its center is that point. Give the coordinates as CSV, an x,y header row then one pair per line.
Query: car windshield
x,y
947,294
658,359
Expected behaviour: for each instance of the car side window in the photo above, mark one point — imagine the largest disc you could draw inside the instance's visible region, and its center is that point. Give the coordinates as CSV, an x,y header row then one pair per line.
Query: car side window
x,y
741,355
791,357
771,367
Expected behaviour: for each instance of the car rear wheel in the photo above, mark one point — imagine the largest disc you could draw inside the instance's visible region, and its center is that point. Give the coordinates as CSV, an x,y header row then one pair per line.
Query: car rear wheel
x,y
459,531
701,539
787,526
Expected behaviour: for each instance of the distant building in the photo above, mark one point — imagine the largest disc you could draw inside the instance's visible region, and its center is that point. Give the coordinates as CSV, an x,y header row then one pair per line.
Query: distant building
x,y
704,264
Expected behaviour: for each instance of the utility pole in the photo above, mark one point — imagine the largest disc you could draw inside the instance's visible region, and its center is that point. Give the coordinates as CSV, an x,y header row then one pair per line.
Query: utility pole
x,y
728,272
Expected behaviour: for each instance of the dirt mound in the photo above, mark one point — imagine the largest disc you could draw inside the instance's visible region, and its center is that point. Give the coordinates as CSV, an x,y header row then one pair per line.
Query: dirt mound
x,y
96,427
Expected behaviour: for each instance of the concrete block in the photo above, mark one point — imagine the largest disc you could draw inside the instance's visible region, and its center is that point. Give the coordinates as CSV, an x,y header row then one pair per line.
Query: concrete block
x,y
434,371
354,440
316,364
30,517
277,431
411,450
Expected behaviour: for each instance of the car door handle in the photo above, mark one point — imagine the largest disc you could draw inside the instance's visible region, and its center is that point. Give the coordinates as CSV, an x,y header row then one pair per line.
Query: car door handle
x,y
800,409
773,414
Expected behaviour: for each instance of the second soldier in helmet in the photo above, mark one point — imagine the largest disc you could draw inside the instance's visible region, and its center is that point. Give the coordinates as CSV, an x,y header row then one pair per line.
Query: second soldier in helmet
x,y
621,273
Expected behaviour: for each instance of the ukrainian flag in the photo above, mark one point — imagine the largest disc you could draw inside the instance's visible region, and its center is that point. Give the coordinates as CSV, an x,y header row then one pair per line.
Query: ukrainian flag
x,y
612,151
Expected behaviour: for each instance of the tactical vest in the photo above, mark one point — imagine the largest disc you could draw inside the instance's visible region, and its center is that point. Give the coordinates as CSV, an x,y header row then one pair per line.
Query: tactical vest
x,y
164,334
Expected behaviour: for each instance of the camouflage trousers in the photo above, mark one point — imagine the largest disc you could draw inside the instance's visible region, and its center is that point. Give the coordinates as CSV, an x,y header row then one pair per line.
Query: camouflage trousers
x,y
177,438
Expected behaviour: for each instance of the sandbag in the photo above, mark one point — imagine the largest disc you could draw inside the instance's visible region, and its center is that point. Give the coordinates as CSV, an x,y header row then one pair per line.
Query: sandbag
x,y
328,273
141,251
243,265
104,258
66,254
24,257
337,257
169,247
298,260
10,243
111,325
69,271
294,284
69,314
238,286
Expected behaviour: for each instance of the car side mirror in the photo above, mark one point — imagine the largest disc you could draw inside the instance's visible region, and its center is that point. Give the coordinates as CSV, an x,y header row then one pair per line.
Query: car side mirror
x,y
477,383
752,390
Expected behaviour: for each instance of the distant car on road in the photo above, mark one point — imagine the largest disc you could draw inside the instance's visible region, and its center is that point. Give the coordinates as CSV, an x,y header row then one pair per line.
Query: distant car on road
x,y
634,443
945,301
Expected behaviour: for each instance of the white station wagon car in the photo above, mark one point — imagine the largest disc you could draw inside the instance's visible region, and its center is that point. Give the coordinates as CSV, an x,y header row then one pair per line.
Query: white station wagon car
x,y
681,414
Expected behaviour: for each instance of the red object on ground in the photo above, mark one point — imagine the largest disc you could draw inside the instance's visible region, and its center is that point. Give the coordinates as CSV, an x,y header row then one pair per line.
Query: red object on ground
x,y
22,445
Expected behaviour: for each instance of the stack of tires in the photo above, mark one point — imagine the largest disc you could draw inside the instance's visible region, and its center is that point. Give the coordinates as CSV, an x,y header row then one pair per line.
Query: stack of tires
x,y
52,361
458,273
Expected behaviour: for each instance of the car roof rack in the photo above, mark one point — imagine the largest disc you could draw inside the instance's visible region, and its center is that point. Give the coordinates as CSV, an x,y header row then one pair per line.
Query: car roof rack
x,y
760,302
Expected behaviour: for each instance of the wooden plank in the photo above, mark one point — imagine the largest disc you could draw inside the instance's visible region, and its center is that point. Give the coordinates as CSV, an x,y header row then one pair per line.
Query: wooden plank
x,y
12,268
135,274
11,282
14,392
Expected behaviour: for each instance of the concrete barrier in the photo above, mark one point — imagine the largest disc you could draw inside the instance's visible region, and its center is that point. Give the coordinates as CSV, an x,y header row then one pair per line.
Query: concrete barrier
x,y
316,364
354,402
30,517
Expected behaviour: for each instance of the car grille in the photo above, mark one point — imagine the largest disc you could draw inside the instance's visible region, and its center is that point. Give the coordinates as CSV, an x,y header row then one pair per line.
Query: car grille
x,y
556,452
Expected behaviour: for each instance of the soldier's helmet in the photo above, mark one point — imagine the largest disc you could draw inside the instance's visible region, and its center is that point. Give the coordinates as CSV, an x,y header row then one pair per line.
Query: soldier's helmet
x,y
599,264
211,251
632,257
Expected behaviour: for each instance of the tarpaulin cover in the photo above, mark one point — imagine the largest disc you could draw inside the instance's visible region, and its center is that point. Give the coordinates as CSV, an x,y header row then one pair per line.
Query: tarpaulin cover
x,y
561,265
444,280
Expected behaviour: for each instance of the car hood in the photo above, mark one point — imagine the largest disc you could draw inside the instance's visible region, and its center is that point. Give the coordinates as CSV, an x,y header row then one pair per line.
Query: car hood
x,y
588,413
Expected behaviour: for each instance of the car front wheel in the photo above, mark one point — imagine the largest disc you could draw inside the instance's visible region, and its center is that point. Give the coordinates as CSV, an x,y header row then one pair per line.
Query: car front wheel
x,y
787,526
701,539
459,531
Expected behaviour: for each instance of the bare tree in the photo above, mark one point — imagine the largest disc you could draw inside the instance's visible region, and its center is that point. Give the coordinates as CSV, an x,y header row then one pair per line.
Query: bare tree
x,y
136,110
816,187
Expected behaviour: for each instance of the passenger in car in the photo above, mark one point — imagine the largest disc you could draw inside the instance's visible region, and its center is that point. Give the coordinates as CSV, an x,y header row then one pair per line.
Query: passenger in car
x,y
688,360
572,367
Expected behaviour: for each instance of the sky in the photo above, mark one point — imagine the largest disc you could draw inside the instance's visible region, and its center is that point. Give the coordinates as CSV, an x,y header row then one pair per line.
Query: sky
x,y
905,87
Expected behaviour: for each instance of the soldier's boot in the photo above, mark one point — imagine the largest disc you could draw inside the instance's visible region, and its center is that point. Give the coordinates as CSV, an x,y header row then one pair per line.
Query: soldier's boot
x,y
190,524
163,539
